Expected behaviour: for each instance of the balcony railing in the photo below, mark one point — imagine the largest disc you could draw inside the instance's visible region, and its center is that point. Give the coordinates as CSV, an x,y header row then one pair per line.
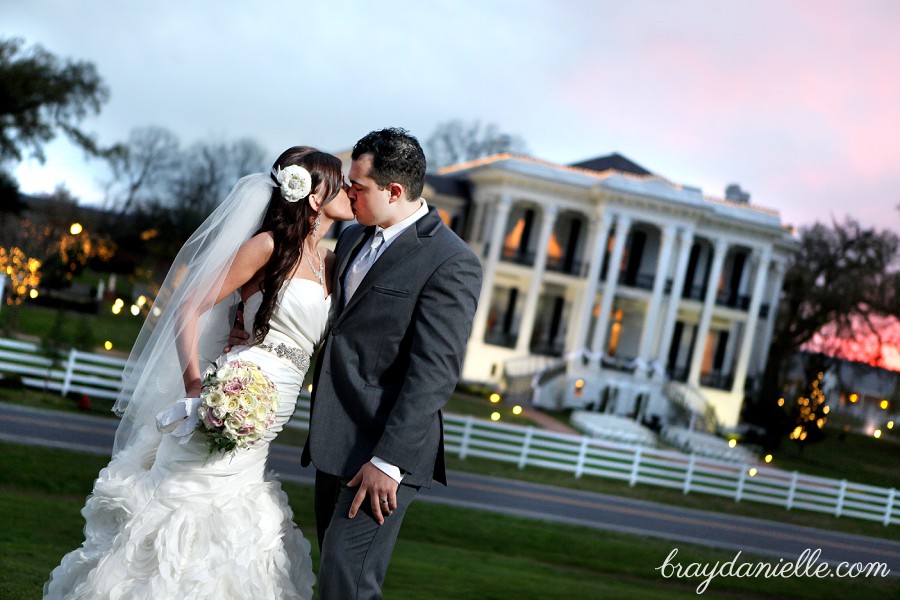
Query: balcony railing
x,y
694,292
619,363
733,300
561,265
501,338
714,379
547,348
636,280
517,256
678,374
717,380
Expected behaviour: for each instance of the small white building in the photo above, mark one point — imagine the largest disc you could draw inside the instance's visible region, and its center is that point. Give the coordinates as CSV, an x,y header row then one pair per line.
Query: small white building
x,y
613,289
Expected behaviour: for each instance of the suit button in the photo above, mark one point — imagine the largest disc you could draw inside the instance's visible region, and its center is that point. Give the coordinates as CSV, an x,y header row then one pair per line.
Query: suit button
x,y
335,332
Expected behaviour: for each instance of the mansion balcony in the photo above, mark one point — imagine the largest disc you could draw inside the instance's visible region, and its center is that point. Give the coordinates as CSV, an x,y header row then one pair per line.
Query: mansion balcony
x,y
637,280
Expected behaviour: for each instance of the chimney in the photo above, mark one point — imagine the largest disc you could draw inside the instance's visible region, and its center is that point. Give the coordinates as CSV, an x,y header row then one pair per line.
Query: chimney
x,y
734,193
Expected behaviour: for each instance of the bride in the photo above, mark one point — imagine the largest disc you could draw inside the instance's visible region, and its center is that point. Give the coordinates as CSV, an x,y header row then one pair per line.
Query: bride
x,y
169,517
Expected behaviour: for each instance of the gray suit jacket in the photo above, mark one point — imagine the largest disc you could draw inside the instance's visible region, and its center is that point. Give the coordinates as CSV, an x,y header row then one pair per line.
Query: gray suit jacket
x,y
392,356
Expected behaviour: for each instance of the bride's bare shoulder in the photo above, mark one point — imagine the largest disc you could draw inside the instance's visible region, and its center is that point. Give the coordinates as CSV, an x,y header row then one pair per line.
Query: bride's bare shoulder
x,y
261,244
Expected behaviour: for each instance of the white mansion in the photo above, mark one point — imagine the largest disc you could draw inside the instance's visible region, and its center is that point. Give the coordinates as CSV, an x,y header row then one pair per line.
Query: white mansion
x,y
610,288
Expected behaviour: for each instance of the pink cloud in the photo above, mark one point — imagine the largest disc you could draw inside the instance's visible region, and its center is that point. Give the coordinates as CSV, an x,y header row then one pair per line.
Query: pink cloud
x,y
804,97
882,350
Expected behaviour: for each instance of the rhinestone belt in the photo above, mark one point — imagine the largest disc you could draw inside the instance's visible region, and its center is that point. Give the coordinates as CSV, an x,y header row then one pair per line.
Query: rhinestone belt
x,y
293,354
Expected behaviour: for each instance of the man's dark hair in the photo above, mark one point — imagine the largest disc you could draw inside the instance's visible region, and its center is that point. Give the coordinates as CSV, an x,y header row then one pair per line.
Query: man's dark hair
x,y
396,157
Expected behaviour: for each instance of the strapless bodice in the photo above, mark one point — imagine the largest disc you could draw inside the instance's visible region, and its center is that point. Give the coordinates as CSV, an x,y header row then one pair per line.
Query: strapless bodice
x,y
299,317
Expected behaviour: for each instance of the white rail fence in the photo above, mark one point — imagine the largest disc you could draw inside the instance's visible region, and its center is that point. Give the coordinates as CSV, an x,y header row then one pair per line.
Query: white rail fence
x,y
527,446
73,372
466,436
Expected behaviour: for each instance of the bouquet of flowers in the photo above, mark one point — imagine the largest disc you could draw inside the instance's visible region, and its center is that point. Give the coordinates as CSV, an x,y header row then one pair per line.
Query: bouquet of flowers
x,y
237,405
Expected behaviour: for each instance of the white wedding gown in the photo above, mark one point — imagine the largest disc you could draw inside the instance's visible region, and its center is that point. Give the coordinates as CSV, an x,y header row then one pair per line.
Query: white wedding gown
x,y
173,523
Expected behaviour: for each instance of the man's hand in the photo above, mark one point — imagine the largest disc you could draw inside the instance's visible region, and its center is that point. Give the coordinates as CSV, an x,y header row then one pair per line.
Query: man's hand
x,y
381,489
238,336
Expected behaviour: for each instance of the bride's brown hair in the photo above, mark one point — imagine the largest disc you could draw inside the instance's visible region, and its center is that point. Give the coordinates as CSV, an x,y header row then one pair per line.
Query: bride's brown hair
x,y
291,222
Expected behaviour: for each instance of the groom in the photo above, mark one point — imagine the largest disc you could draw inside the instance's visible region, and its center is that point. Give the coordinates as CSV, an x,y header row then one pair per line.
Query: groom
x,y
405,292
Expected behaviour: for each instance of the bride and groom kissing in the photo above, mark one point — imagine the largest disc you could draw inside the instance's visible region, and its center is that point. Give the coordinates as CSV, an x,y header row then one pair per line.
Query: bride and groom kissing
x,y
389,312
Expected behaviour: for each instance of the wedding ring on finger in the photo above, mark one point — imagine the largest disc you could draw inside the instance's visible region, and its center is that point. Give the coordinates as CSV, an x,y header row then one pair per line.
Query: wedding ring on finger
x,y
383,501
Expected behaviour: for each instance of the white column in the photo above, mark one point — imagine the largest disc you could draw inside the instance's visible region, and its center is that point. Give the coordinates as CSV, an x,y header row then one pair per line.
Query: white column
x,y
778,269
500,216
623,223
596,247
548,220
709,302
476,227
685,242
486,229
730,347
761,258
761,268
648,335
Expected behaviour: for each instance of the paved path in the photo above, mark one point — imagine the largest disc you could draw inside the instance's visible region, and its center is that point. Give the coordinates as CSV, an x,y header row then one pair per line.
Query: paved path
x,y
548,422
599,511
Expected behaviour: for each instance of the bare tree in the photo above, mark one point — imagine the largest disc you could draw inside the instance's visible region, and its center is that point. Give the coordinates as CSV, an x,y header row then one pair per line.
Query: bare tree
x,y
209,169
455,141
151,169
143,168
162,192
842,282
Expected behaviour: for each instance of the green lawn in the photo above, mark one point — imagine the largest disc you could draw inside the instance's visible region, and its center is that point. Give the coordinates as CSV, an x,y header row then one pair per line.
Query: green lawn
x,y
81,330
443,552
852,456
465,404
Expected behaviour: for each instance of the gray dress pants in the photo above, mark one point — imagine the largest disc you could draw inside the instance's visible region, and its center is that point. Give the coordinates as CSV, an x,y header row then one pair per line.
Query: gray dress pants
x,y
355,552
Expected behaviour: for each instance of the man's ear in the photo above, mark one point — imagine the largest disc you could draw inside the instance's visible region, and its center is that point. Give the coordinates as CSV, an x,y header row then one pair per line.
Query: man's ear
x,y
396,191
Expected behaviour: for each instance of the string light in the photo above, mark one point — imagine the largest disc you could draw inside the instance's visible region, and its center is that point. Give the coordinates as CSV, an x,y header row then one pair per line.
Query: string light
x,y
811,410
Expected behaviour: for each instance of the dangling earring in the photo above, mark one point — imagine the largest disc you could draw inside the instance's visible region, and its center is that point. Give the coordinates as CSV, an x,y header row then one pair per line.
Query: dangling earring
x,y
315,231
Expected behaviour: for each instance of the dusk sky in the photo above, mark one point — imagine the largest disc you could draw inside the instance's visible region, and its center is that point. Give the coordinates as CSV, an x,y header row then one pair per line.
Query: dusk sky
x,y
796,101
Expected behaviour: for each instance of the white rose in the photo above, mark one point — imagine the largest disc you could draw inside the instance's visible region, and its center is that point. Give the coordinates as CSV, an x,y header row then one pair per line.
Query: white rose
x,y
231,403
214,398
295,181
233,425
249,402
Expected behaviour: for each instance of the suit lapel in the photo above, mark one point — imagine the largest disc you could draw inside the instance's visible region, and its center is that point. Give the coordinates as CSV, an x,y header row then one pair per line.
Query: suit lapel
x,y
344,259
405,244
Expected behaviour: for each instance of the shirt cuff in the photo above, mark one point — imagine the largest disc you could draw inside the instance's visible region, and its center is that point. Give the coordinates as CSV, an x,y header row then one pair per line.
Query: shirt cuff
x,y
388,469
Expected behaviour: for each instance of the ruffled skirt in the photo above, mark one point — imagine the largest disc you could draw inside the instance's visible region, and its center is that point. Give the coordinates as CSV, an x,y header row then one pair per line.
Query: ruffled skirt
x,y
171,522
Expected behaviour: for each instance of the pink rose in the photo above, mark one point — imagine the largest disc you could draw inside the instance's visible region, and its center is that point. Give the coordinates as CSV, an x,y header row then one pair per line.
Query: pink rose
x,y
233,387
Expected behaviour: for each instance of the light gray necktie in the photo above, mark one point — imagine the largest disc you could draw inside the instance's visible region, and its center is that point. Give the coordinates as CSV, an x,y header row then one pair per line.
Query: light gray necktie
x,y
362,265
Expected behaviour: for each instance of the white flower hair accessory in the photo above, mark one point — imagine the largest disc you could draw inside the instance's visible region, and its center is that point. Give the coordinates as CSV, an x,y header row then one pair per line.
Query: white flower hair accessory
x,y
295,182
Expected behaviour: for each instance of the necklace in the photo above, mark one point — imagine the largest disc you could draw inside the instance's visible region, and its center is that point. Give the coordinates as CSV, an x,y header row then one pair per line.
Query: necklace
x,y
320,272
